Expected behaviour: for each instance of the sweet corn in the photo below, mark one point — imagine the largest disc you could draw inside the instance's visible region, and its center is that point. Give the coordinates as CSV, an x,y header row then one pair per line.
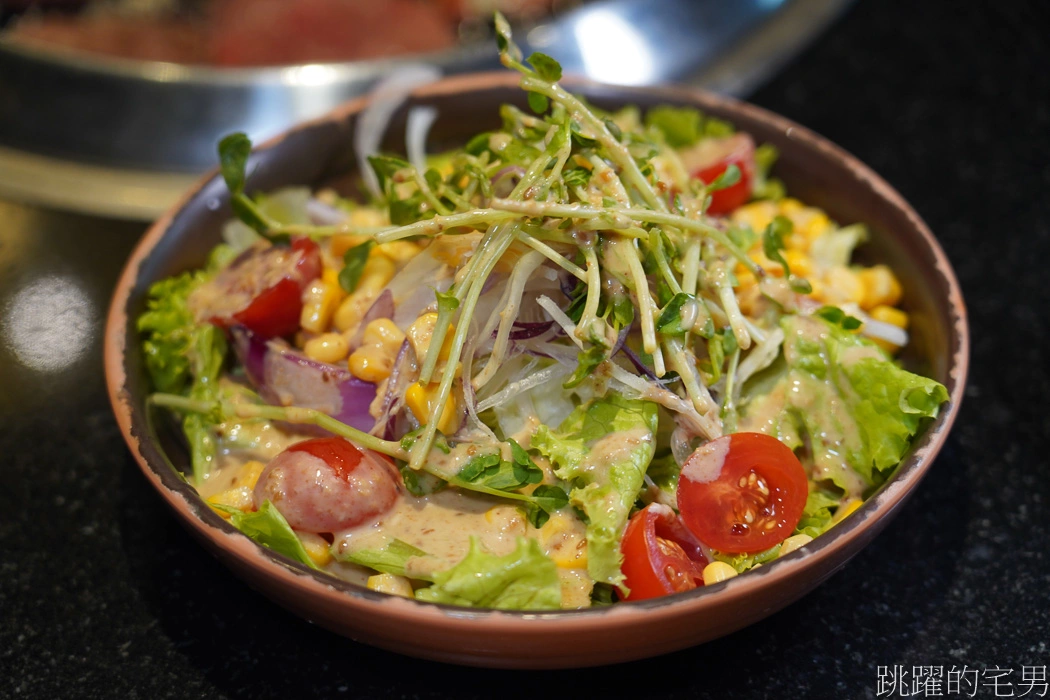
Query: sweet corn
x,y
890,315
789,205
249,473
794,542
842,286
564,543
320,301
421,399
799,262
369,364
327,347
379,270
846,510
330,275
454,250
240,498
392,584
343,242
385,334
352,309
757,215
240,495
317,548
718,571
398,251
881,287
374,360
420,333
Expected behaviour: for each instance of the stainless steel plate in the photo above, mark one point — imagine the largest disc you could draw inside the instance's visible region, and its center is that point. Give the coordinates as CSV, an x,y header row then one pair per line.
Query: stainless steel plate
x,y
124,138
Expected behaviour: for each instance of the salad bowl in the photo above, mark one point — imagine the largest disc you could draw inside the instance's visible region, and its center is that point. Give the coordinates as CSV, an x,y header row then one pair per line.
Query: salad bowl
x,y
319,154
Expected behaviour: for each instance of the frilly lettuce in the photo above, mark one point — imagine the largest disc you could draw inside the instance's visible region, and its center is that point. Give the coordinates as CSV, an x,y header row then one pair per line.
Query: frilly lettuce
x,y
606,476
844,396
525,579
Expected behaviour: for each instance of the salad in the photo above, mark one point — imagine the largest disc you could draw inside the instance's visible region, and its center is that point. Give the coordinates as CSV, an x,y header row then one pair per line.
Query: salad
x,y
588,358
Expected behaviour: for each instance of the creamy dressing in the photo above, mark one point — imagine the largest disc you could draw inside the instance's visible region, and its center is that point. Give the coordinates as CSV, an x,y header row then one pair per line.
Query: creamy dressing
x,y
707,461
615,448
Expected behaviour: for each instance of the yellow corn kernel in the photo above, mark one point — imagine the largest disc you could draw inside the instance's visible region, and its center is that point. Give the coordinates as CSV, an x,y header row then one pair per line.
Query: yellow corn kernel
x,y
385,334
881,287
240,498
330,275
320,301
343,242
379,270
718,571
745,278
367,217
563,543
890,315
248,474
757,215
421,400
352,309
391,584
374,360
789,206
816,226
799,262
369,363
846,510
317,548
454,250
794,542
843,285
327,347
398,251
422,330
817,291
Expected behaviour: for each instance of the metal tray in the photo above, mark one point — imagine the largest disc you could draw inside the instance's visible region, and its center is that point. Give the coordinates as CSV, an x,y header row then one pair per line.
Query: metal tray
x,y
123,138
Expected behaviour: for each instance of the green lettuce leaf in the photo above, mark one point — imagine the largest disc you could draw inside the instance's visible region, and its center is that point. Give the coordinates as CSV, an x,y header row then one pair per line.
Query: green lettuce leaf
x,y
846,398
269,528
525,579
391,559
817,513
169,328
607,474
184,357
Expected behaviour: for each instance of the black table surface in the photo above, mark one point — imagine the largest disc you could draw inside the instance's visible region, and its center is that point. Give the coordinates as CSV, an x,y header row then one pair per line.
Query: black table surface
x,y
102,594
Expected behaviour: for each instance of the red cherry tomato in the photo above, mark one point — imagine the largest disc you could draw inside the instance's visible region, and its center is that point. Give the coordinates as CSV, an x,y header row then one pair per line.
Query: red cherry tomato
x,y
712,157
660,556
328,484
742,493
263,289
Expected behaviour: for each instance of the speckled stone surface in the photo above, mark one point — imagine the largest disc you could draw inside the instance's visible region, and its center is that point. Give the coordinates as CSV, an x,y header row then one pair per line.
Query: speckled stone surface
x,y
103,595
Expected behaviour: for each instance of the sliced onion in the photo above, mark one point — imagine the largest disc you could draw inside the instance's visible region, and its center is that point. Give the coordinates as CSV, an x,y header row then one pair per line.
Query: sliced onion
x,y
420,119
285,377
387,95
524,330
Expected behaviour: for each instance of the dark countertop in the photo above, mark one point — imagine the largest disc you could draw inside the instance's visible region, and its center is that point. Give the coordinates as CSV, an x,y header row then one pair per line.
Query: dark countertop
x,y
103,595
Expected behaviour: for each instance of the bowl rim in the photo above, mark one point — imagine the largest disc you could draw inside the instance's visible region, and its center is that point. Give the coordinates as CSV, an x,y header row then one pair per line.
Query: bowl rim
x,y
340,593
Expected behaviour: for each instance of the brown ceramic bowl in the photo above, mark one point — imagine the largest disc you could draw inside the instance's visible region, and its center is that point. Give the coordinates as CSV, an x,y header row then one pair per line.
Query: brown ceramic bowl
x,y
318,153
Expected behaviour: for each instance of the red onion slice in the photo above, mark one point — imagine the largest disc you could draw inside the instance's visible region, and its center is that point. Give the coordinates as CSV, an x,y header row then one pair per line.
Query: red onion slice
x,y
285,377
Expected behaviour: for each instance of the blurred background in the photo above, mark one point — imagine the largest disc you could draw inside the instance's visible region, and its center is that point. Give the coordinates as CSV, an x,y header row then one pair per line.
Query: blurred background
x,y
113,107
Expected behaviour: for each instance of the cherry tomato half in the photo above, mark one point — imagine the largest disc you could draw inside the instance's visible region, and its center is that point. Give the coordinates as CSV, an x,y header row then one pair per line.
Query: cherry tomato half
x,y
660,556
743,492
712,157
328,484
263,289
